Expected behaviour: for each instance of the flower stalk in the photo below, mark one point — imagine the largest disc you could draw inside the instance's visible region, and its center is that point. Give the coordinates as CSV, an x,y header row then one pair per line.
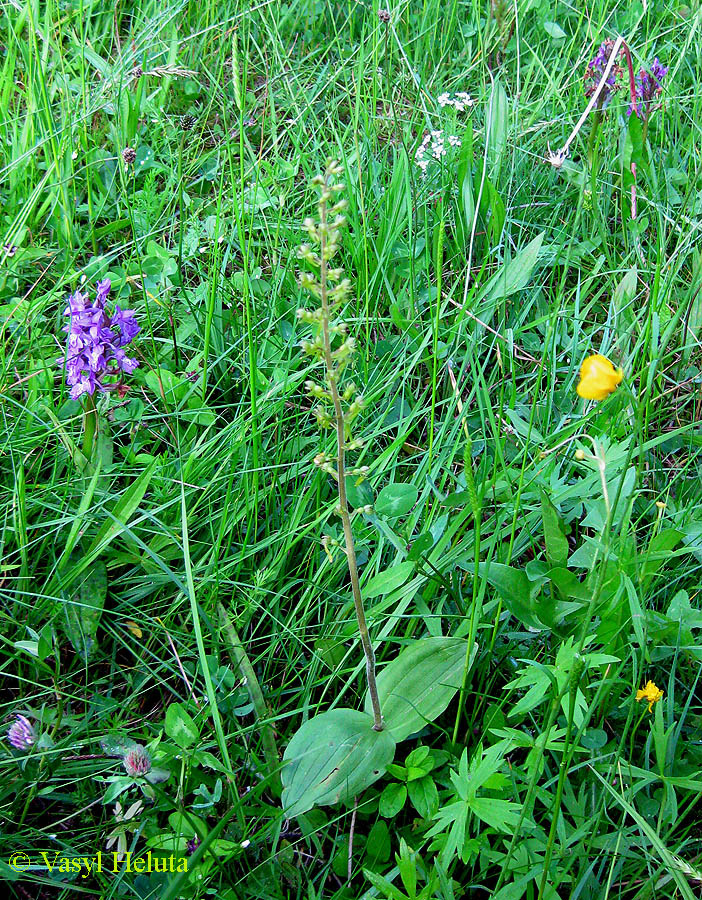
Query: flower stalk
x,y
331,290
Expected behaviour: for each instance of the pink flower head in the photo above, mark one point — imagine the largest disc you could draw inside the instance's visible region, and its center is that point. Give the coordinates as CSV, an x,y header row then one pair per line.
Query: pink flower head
x,y
21,733
137,762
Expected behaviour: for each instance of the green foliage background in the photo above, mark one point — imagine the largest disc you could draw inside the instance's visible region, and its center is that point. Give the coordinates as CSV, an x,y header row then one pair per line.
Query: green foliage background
x,y
184,590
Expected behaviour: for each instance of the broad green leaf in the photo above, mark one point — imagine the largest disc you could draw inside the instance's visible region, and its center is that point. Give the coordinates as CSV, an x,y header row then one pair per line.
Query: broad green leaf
x,y
396,500
179,393
513,587
392,799
180,726
625,291
84,609
556,541
172,843
164,383
117,786
515,275
157,775
187,824
569,584
416,688
492,209
332,758
424,796
358,495
378,842
497,124
658,553
387,581
515,590
637,613
554,30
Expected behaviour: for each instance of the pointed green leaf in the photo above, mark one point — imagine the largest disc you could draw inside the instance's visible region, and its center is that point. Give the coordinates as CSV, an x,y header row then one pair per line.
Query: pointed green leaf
x,y
500,814
424,796
515,275
554,536
497,125
387,581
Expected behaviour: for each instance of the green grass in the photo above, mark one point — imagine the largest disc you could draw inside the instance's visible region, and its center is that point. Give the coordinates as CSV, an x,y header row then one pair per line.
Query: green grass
x,y
201,495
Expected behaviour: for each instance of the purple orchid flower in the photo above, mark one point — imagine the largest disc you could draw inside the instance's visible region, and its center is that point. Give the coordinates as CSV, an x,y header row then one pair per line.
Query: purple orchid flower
x,y
95,342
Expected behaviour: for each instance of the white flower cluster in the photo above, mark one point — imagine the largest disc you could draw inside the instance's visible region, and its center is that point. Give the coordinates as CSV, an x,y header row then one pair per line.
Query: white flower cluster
x,y
434,146
459,101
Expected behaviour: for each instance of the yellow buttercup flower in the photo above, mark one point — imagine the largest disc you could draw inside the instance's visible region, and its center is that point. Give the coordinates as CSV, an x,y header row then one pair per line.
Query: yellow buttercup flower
x,y
650,693
598,377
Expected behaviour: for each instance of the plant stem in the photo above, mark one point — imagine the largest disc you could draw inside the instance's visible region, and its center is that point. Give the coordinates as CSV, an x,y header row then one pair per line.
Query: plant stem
x,y
341,479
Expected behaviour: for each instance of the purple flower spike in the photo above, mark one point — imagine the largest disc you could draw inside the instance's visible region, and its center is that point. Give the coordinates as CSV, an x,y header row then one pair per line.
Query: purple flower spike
x,y
125,321
21,734
95,341
103,289
649,85
596,69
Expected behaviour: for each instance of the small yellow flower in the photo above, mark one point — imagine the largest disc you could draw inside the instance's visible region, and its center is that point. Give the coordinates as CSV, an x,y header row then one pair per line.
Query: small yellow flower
x,y
598,377
650,693
134,628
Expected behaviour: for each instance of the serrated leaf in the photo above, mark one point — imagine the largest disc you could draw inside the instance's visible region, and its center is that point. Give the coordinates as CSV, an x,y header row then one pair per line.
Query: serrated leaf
x,y
83,611
416,688
332,758
500,814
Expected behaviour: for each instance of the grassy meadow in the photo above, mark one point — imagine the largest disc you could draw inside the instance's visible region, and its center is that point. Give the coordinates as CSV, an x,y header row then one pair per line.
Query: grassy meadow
x,y
372,578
